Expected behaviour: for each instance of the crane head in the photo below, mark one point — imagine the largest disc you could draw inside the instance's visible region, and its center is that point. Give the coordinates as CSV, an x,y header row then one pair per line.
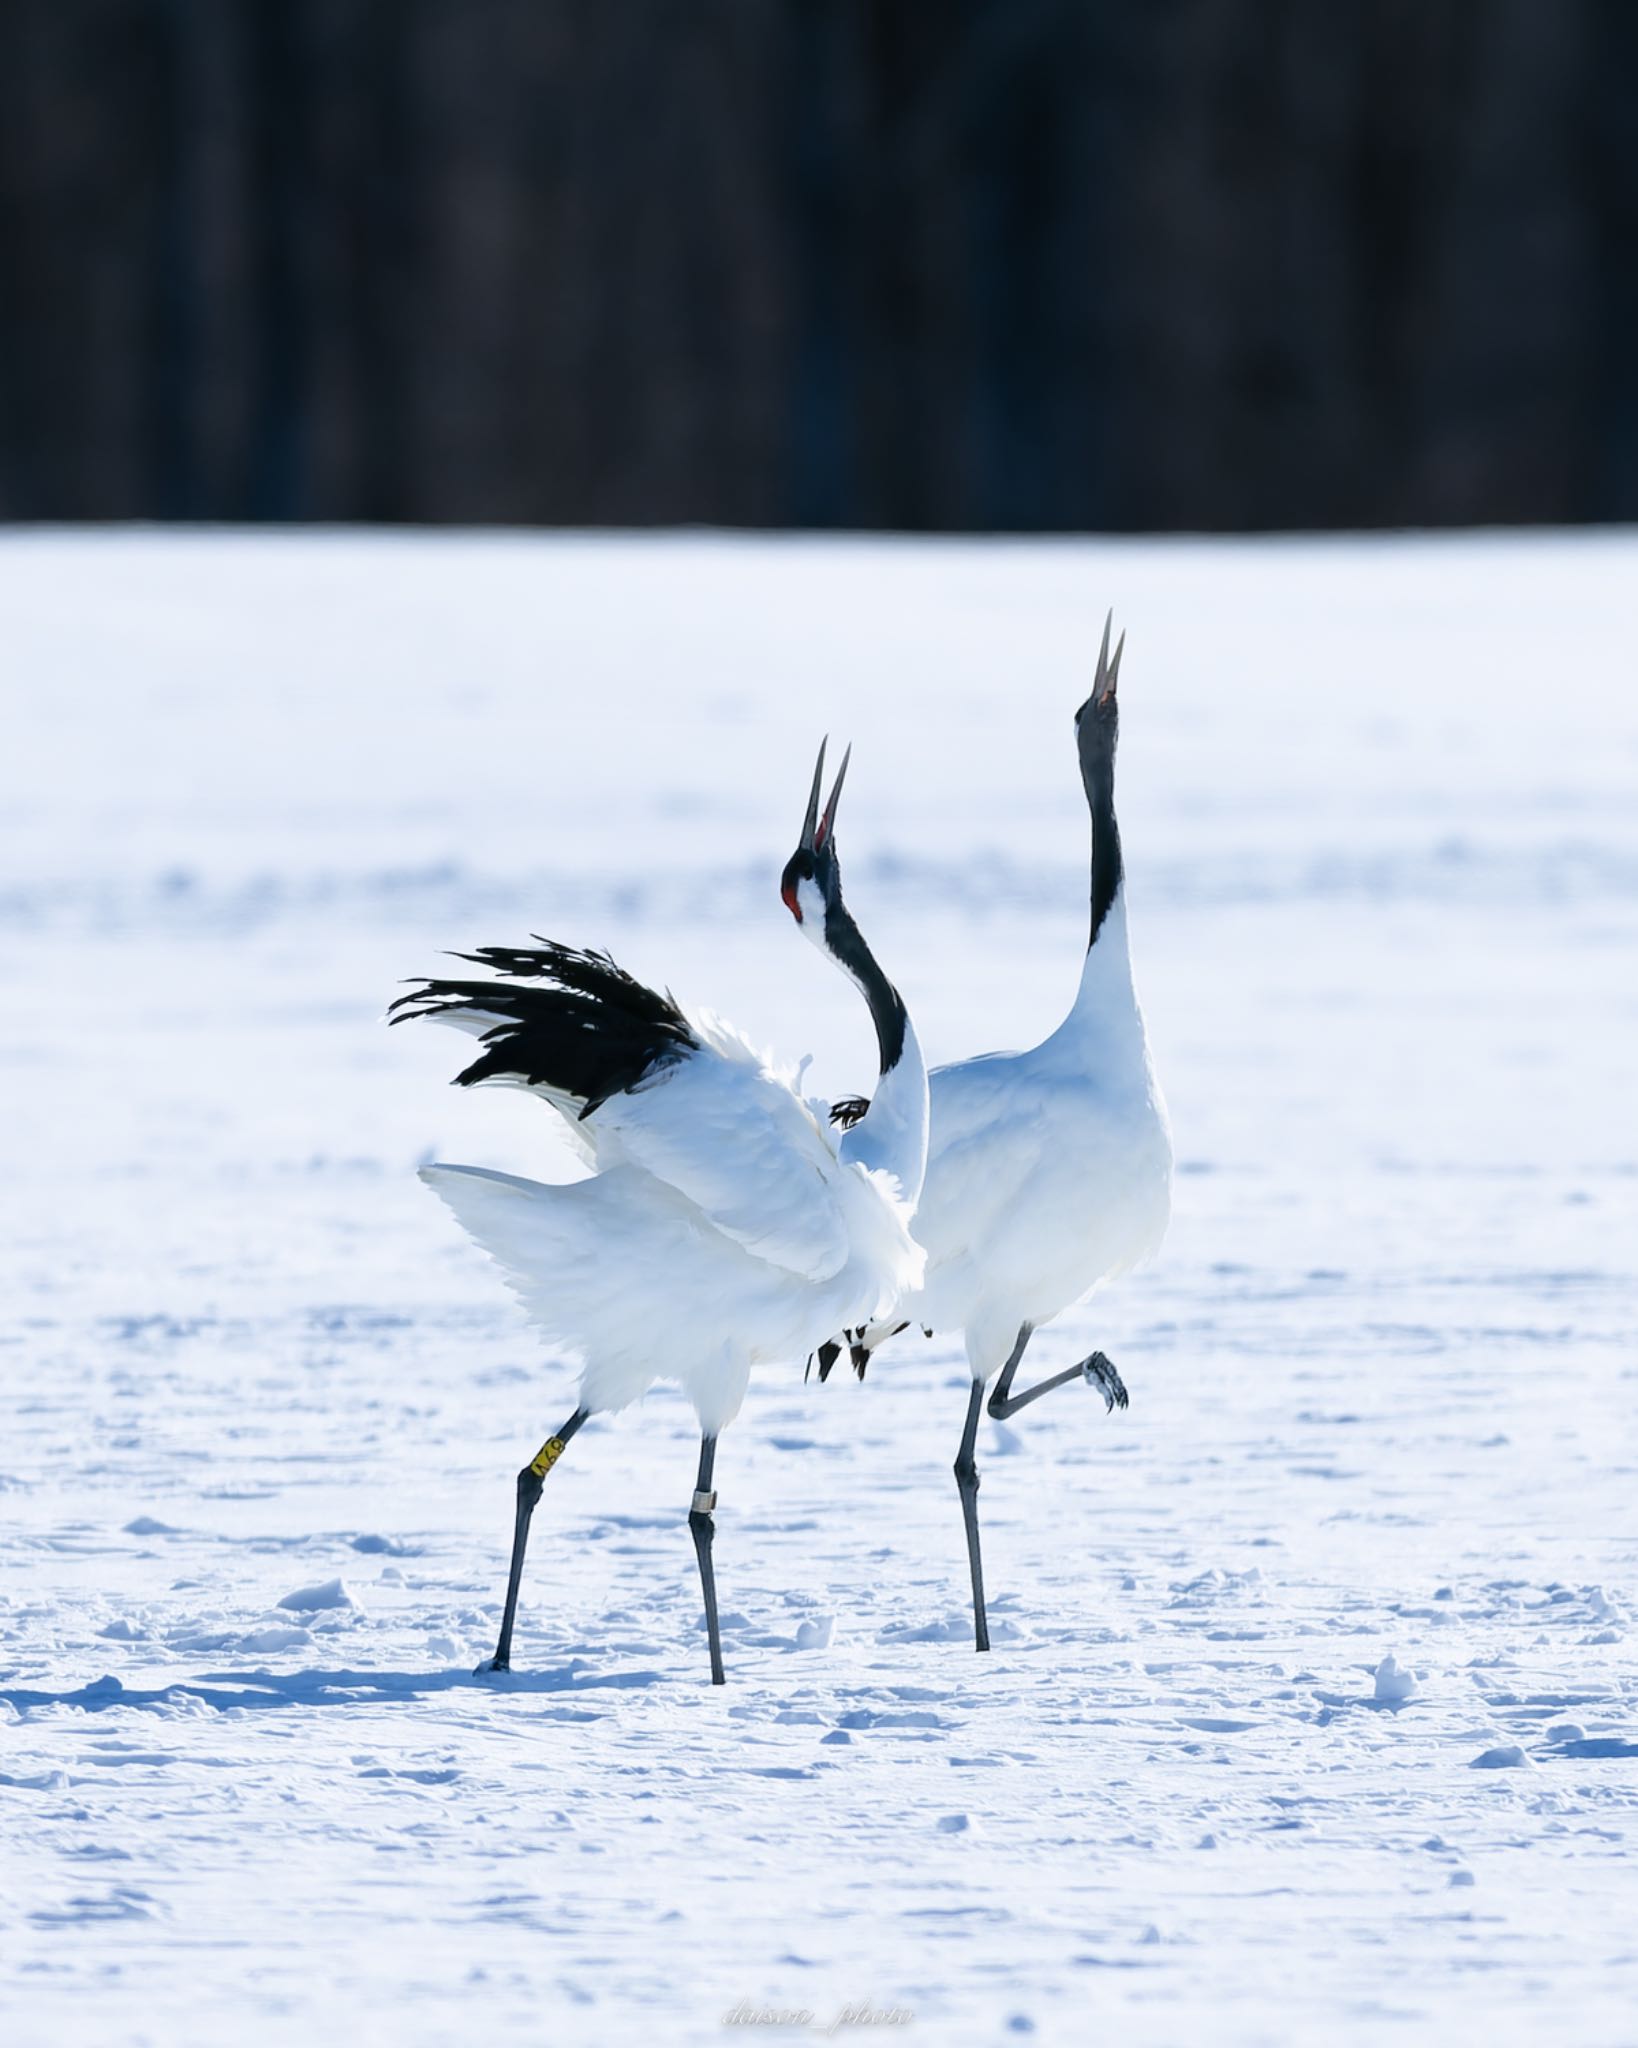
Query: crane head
x,y
812,882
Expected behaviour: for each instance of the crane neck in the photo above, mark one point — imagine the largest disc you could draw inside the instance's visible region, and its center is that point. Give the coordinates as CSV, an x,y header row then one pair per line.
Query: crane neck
x,y
1097,750
891,1137
846,945
1104,1029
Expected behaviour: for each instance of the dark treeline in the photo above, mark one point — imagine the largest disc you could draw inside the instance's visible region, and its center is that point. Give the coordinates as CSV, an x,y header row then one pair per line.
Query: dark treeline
x,y
1017,264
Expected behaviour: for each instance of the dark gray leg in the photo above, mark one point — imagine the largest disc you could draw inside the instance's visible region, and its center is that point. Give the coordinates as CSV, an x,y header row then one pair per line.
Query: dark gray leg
x,y
699,1521
1097,1371
530,1482
966,1472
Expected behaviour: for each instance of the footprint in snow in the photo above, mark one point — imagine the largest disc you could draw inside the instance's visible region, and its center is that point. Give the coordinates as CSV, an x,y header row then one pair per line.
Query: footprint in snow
x,y
873,1717
813,1632
956,1628
264,1640
119,1902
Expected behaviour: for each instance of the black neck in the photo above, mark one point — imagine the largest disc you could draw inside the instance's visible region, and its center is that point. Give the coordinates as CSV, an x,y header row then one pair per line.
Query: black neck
x,y
887,1011
1098,776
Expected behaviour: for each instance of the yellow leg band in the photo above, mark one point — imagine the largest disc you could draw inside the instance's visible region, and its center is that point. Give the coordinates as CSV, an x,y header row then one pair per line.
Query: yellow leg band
x,y
547,1456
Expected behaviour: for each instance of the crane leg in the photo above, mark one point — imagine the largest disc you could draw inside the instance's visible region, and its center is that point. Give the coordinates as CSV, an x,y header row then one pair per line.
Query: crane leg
x,y
530,1482
1097,1371
966,1472
703,1529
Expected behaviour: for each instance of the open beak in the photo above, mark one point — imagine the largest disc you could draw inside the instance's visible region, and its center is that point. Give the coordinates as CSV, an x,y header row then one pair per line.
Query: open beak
x,y
1103,683
810,823
827,823
817,828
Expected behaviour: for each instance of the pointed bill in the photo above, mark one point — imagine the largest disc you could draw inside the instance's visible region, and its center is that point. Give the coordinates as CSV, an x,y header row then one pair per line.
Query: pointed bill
x,y
828,821
1114,666
1103,683
810,822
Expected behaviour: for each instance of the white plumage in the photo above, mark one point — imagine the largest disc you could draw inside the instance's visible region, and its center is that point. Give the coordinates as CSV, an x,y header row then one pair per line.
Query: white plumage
x,y
722,1229
1048,1171
724,1224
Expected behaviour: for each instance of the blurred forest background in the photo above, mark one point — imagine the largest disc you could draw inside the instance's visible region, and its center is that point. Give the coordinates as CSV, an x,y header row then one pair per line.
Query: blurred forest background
x,y
932,264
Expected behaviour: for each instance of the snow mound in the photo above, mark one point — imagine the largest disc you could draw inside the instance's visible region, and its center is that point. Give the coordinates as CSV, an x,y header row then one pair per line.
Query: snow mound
x,y
333,1593
1393,1681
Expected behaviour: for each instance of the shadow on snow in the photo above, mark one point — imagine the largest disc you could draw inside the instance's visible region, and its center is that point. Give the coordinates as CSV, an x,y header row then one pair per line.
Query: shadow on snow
x,y
231,1690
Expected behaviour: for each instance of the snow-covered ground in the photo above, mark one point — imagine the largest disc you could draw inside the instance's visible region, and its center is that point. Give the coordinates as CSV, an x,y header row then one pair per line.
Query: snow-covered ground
x,y
261,1407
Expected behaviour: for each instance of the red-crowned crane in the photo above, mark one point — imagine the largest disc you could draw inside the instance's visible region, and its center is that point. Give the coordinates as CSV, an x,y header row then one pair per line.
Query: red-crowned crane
x,y
1049,1171
725,1224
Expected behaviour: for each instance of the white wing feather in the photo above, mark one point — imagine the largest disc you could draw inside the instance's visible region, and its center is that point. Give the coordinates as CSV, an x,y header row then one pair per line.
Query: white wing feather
x,y
730,1135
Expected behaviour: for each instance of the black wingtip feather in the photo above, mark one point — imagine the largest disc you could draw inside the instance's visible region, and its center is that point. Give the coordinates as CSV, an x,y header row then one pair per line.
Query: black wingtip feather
x,y
591,1032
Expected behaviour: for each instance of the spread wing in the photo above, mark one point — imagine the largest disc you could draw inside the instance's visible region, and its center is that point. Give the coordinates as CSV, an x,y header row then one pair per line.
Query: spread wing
x,y
732,1137
641,1084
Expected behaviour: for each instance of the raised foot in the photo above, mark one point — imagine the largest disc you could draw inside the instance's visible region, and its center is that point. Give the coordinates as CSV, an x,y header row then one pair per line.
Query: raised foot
x,y
1099,1372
